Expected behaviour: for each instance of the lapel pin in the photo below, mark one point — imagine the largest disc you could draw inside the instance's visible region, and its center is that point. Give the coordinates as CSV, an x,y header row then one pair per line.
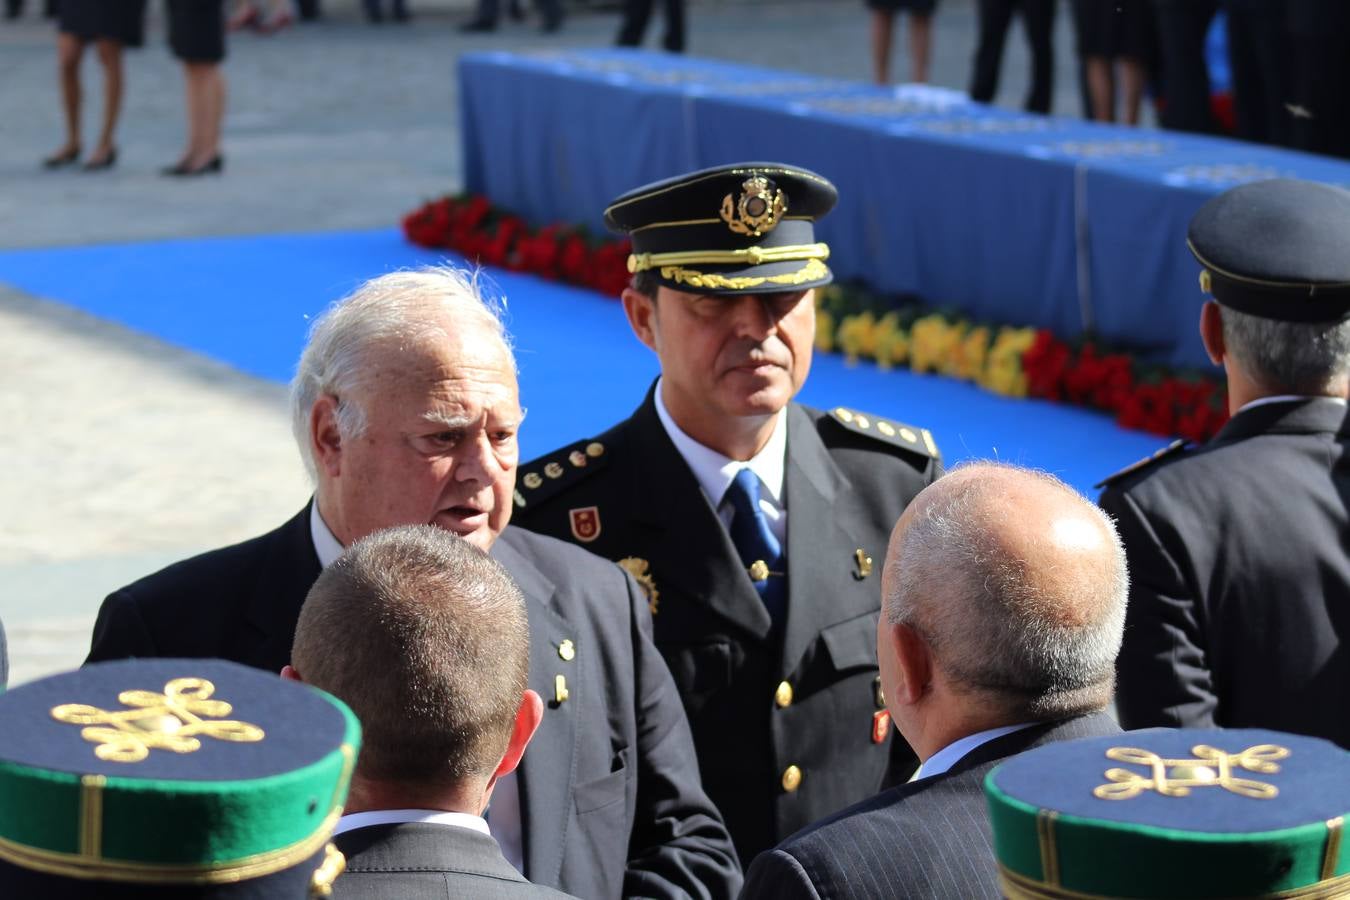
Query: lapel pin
x,y
864,564
567,650
560,692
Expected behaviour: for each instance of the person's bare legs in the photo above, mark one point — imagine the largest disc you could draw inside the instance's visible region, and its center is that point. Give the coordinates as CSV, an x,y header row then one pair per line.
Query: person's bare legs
x,y
1133,77
110,55
881,45
69,50
205,108
920,46
1101,88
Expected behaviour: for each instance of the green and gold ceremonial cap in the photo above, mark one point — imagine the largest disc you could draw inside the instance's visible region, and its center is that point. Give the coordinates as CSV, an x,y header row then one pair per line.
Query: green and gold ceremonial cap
x,y
171,778
1164,813
747,228
1276,249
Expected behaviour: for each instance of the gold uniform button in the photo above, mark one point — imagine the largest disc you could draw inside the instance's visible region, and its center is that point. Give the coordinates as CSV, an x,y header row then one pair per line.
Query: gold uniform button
x,y
759,570
792,779
595,449
843,414
783,696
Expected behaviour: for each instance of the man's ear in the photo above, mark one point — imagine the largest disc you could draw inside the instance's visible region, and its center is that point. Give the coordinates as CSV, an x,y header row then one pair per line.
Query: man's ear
x,y
913,664
1211,332
325,439
641,312
528,716
288,672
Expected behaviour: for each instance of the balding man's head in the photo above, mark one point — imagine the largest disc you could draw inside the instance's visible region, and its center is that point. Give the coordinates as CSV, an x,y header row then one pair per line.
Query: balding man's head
x,y
1017,585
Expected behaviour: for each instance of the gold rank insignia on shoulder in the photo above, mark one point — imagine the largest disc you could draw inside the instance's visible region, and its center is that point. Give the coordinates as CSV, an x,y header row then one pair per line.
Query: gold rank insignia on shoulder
x,y
553,475
1165,453
888,431
640,570
757,210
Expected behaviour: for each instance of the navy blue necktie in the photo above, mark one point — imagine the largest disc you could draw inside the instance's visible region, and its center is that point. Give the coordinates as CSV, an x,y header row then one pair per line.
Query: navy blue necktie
x,y
760,551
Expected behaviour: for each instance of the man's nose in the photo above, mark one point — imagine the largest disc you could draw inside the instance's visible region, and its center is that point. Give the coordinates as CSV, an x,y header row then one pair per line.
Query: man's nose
x,y
477,462
754,317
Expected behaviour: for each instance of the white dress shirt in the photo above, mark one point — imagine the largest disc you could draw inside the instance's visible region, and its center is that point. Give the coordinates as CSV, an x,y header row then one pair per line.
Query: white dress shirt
x,y
950,755
505,809
715,472
353,821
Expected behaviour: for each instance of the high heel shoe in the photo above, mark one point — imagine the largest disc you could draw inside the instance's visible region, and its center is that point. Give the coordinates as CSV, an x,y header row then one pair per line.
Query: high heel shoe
x,y
213,166
64,158
107,162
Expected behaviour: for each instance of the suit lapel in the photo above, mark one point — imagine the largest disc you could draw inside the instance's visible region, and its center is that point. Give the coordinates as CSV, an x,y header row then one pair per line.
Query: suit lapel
x,y
688,545
545,772
285,577
820,541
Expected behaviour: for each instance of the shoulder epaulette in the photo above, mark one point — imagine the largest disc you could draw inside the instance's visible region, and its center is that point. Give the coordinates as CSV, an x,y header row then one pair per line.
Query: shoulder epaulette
x,y
1170,450
888,431
548,475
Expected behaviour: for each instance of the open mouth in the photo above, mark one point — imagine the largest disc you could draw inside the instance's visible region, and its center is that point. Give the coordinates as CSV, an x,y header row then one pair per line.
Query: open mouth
x,y
465,517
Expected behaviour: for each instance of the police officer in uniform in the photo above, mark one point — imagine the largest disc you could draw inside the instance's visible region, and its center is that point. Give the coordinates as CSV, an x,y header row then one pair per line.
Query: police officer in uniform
x,y
757,525
1240,580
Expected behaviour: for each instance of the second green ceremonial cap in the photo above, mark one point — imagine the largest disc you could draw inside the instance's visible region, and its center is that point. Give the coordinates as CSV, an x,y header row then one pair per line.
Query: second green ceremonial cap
x,y
178,778
1166,813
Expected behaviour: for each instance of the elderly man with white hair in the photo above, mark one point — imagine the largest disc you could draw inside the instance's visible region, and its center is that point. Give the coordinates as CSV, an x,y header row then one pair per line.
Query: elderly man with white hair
x,y
1004,600
406,410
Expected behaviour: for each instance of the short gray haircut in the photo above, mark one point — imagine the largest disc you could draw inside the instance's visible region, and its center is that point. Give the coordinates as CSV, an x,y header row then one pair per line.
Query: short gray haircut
x,y
427,639
392,312
1042,644
1288,357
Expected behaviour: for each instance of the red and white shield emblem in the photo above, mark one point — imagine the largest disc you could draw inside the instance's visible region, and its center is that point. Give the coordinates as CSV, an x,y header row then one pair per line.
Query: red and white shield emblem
x,y
585,523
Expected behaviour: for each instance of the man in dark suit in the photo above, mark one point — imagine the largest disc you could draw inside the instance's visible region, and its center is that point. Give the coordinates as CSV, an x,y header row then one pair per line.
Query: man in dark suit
x,y
435,663
1318,32
1004,599
1038,19
1240,606
405,406
1182,29
751,521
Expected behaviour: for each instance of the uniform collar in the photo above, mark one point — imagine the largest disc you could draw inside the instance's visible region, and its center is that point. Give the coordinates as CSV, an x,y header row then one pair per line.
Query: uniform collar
x,y
715,472
326,546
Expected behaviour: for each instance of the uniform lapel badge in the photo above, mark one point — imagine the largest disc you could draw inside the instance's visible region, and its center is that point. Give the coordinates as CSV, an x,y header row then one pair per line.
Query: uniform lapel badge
x,y
639,569
863,562
585,523
881,726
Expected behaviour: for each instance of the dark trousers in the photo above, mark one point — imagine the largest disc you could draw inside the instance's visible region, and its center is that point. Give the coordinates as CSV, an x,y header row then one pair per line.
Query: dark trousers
x,y
375,9
636,14
308,9
1257,55
1182,26
1038,20
1319,93
549,10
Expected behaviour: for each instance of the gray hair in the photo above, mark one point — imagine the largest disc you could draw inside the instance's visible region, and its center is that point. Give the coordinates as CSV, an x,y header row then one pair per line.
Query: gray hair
x,y
1288,357
1041,642
389,313
427,639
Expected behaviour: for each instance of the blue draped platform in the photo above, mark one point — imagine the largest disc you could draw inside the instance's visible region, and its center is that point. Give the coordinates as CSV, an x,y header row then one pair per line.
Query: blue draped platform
x,y
1018,219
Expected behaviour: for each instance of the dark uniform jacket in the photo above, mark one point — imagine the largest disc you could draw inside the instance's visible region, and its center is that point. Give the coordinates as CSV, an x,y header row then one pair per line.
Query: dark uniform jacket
x,y
1239,557
427,861
927,839
610,797
760,701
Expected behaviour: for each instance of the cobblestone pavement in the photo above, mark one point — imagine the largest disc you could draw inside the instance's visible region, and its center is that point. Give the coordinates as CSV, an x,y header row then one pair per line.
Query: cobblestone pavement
x,y
119,453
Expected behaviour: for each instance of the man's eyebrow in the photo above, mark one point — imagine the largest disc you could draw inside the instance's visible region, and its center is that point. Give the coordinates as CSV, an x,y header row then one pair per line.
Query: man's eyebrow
x,y
447,421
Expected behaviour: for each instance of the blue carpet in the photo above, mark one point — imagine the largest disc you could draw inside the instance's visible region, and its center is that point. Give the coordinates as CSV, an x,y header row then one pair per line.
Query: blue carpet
x,y
248,302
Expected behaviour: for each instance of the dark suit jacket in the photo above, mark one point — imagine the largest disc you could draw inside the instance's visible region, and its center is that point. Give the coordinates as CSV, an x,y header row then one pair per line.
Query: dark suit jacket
x,y
609,786
1239,558
424,861
926,839
844,490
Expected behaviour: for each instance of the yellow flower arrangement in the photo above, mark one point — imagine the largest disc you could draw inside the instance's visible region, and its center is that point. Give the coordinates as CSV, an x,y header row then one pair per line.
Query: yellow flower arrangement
x,y
824,331
933,342
970,353
891,342
857,337
1003,372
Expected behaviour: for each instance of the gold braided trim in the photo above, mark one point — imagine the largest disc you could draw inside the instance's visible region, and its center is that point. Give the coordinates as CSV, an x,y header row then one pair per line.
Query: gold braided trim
x,y
91,815
87,868
812,271
1020,887
1045,836
1332,855
753,256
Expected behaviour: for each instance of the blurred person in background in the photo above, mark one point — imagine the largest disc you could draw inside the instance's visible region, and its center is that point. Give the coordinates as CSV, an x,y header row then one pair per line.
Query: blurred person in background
x,y
1038,21
1182,28
249,14
1115,44
1258,56
1319,93
109,25
920,36
636,14
197,38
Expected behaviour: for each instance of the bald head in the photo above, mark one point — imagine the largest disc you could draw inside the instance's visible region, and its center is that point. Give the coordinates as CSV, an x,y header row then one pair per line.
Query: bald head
x,y
1018,586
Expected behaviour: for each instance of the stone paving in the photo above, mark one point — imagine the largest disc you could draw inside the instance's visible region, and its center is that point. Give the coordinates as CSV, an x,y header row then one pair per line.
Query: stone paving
x,y
119,453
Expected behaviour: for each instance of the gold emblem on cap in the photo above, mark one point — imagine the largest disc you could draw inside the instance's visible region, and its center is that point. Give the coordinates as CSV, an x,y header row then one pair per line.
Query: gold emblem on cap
x,y
759,570
532,480
553,470
757,210
168,721
595,449
1176,777
567,650
577,458
638,568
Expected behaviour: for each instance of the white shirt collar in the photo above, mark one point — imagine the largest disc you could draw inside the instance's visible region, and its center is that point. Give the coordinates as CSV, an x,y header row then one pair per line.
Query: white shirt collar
x,y
715,472
1286,398
353,821
942,761
326,546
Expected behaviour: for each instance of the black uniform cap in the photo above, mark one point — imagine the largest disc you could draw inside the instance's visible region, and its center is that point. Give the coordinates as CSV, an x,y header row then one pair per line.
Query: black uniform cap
x,y
746,228
1278,249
